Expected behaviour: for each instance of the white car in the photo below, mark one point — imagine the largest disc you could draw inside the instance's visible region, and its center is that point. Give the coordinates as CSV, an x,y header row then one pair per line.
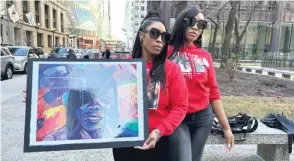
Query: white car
x,y
79,53
21,55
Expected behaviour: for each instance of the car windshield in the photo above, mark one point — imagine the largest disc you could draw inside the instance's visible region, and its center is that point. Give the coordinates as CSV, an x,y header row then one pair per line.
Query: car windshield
x,y
18,51
60,50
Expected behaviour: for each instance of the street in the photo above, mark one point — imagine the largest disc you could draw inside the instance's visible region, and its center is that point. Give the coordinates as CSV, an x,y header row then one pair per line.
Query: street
x,y
12,135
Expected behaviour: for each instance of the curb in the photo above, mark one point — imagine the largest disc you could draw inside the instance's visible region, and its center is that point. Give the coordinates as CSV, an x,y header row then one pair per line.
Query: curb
x,y
268,72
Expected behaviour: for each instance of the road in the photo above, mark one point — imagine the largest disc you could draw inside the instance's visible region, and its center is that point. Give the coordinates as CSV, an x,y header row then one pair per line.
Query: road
x,y
12,135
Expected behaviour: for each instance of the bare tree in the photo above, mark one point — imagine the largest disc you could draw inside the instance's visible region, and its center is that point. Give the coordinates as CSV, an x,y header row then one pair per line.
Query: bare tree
x,y
228,33
180,6
252,6
217,24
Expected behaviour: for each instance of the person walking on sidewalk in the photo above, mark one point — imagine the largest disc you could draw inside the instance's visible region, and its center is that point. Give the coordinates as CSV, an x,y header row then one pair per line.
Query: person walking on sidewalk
x,y
204,96
106,53
166,90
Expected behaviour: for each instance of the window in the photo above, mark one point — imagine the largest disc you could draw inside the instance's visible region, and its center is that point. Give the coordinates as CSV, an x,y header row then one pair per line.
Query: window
x,y
136,24
56,40
32,51
39,40
142,8
9,3
49,41
37,11
54,19
47,16
39,51
61,22
142,1
6,51
136,7
25,10
29,38
136,16
142,16
64,45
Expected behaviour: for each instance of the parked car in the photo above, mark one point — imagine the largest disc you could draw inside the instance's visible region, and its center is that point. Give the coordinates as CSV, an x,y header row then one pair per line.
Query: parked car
x,y
21,55
7,64
86,53
79,53
64,53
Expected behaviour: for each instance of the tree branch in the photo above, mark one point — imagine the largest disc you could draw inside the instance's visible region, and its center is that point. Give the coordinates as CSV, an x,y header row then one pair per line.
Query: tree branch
x,y
212,20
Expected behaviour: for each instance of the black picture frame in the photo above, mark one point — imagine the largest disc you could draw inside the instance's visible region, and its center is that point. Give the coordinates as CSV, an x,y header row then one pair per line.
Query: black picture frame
x,y
31,76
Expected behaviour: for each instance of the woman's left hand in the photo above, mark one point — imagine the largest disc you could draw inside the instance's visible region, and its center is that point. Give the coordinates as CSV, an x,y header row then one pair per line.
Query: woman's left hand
x,y
150,142
229,139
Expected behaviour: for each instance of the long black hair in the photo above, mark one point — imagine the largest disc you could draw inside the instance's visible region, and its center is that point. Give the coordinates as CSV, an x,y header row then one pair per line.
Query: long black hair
x,y
157,72
180,27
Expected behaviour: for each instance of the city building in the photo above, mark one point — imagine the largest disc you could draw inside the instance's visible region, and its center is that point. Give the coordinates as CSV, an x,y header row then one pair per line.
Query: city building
x,y
271,29
34,23
91,22
135,11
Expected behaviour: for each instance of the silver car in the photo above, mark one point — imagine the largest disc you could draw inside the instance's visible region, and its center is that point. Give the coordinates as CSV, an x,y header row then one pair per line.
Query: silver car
x,y
21,55
7,64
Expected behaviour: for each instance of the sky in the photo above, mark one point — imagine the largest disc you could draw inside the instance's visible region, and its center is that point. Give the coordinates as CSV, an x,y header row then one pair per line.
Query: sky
x,y
117,13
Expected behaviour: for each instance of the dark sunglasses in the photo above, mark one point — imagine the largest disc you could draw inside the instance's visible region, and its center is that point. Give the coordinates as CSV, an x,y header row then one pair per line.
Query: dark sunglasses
x,y
155,33
201,24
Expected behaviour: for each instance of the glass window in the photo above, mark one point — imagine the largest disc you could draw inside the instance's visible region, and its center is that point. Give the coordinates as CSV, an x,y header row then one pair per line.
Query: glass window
x,y
18,51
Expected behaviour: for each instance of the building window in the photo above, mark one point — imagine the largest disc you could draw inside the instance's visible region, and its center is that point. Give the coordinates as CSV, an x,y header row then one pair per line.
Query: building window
x,y
49,41
47,16
37,11
142,1
9,4
136,7
136,16
64,45
62,22
56,40
54,19
39,40
142,8
29,38
25,10
142,16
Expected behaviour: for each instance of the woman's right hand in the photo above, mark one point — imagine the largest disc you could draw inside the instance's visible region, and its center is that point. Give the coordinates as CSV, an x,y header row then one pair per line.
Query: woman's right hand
x,y
25,96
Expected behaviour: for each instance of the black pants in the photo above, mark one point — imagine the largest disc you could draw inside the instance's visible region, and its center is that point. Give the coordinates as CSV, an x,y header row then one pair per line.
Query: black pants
x,y
189,139
159,153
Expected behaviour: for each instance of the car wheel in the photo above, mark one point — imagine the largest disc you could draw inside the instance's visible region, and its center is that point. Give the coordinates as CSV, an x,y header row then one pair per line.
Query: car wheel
x,y
8,72
25,70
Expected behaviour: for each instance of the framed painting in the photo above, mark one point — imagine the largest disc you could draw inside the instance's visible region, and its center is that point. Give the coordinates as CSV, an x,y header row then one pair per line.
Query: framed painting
x,y
85,104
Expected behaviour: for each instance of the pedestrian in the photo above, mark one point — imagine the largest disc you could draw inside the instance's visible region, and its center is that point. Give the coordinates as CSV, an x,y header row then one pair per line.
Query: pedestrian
x,y
106,53
167,93
204,96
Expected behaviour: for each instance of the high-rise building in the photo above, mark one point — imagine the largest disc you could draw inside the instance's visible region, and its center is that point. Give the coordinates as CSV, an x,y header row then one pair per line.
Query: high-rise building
x,y
135,11
34,23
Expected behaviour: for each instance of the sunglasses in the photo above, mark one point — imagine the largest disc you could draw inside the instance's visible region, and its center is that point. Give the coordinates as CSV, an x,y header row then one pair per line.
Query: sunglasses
x,y
201,24
155,33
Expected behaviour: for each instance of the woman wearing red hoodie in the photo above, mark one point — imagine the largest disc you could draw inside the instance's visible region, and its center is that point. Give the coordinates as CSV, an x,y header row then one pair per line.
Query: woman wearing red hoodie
x,y
167,101
204,97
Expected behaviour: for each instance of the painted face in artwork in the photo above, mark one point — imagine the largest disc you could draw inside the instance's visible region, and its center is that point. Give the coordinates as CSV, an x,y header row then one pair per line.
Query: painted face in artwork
x,y
90,116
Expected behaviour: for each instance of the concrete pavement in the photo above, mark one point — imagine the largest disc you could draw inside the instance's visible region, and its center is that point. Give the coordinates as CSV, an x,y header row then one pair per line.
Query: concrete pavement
x,y
12,135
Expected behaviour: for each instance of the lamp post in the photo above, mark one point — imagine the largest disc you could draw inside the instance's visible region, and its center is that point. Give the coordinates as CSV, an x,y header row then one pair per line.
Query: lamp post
x,y
53,30
37,27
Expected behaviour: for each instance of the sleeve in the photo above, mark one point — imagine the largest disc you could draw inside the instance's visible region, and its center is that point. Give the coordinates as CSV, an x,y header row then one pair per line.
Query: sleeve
x,y
212,82
178,99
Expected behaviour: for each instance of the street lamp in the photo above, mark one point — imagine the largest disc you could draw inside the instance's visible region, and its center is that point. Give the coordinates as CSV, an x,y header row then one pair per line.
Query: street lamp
x,y
53,30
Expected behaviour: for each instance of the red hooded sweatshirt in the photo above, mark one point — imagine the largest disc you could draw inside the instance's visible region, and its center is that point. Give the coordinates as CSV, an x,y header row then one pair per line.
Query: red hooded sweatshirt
x,y
169,105
197,66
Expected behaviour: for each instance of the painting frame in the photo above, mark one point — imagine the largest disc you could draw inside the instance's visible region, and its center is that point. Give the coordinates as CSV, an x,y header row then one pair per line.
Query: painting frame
x,y
28,147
